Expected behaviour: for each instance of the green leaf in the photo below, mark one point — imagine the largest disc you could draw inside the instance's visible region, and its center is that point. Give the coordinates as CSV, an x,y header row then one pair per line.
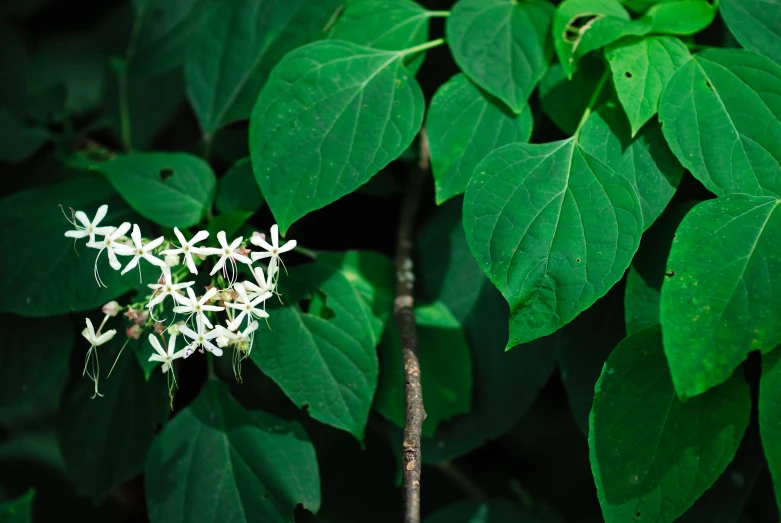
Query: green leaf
x,y
564,100
19,140
582,26
163,33
325,361
172,189
104,441
18,510
15,64
643,289
720,115
640,6
217,460
390,25
502,46
445,369
464,125
482,511
236,47
372,275
47,273
553,228
581,354
645,160
756,24
652,454
237,190
770,415
641,68
680,17
718,300
724,501
331,115
31,383
505,384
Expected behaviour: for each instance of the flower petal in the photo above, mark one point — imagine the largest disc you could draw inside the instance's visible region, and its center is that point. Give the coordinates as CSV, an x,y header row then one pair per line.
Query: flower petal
x,y
102,210
136,237
155,343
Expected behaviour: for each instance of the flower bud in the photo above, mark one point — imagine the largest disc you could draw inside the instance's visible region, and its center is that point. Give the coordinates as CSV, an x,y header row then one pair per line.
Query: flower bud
x,y
134,331
112,308
173,330
141,318
159,328
131,313
172,260
223,341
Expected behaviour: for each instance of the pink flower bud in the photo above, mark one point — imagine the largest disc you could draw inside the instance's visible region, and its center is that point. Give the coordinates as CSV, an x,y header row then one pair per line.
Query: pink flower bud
x,y
141,318
132,314
160,328
134,331
112,308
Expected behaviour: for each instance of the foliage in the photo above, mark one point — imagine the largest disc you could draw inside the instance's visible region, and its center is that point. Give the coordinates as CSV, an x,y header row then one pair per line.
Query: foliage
x,y
598,248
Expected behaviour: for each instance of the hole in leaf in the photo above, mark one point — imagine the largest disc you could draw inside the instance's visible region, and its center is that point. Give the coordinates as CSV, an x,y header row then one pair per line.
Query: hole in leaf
x,y
709,85
577,260
638,514
578,25
165,174
628,74
669,274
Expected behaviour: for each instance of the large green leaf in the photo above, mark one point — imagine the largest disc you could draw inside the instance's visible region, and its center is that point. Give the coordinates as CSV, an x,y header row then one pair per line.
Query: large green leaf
x,y
33,364
505,383
41,267
236,47
502,46
104,441
18,510
645,160
582,26
237,190
445,369
641,68
681,17
463,125
482,511
172,189
163,33
218,462
718,300
652,454
756,24
564,100
770,415
391,25
553,228
643,290
331,115
721,116
326,361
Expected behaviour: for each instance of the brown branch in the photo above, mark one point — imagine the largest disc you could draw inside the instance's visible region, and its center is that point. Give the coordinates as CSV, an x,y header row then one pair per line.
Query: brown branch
x,y
404,314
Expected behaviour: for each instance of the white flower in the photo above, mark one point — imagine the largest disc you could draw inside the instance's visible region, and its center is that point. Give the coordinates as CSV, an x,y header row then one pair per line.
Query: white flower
x,y
143,251
265,283
247,306
90,228
111,245
226,252
167,288
200,338
96,340
192,305
242,340
188,248
274,250
166,358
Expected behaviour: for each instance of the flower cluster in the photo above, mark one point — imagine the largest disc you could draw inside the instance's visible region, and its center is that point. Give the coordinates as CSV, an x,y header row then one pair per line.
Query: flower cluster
x,y
242,302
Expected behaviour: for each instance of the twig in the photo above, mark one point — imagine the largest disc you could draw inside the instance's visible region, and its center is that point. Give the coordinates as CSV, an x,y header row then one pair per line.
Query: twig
x,y
404,314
